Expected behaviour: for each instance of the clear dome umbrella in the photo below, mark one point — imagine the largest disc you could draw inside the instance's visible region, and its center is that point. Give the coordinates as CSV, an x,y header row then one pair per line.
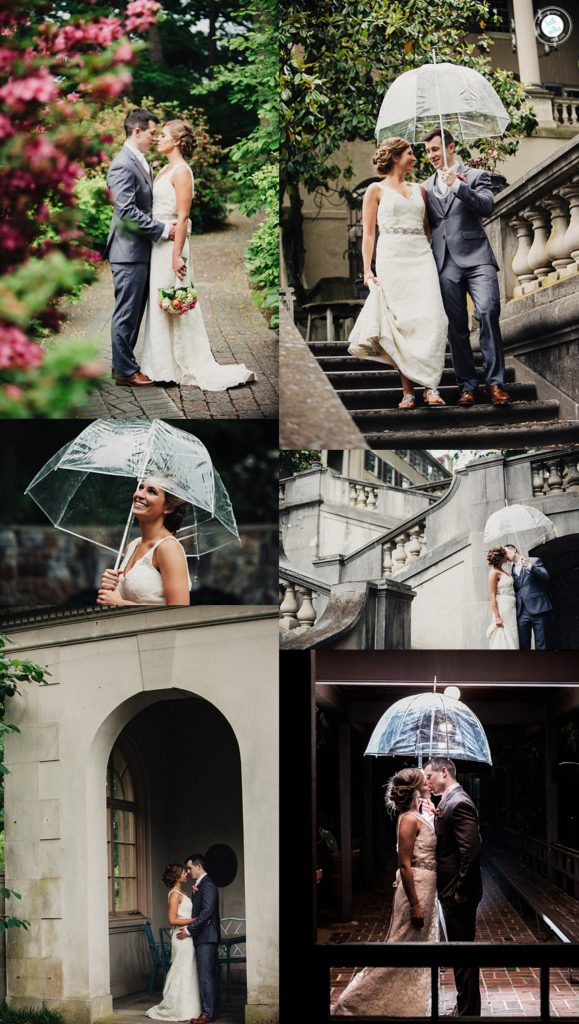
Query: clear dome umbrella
x,y
441,95
86,489
429,724
521,525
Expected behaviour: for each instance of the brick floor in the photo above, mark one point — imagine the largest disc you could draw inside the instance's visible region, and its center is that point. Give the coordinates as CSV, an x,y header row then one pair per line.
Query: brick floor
x,y
236,328
513,992
131,1009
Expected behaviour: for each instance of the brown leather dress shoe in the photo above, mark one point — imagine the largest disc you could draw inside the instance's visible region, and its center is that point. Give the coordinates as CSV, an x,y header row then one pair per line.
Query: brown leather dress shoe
x,y
136,380
498,395
202,1019
466,398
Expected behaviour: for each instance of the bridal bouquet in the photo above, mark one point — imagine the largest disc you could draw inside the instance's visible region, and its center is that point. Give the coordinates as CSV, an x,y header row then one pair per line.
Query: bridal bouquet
x,y
177,300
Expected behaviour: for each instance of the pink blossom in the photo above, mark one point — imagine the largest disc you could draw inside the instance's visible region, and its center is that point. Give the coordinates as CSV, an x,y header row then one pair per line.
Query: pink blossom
x,y
17,351
90,371
13,391
6,127
141,14
124,54
7,58
73,96
39,88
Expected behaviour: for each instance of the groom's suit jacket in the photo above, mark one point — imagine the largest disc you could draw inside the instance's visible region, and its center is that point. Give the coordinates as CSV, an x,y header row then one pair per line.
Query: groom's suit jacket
x,y
206,910
132,191
456,220
531,588
458,847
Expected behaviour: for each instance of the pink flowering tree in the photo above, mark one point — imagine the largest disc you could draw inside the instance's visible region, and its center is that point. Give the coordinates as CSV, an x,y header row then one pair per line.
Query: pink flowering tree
x,y
53,78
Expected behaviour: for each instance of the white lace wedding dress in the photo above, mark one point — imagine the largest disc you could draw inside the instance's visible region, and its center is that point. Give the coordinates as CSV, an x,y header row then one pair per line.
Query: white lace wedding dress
x,y
181,1000
400,991
177,348
143,583
402,322
505,638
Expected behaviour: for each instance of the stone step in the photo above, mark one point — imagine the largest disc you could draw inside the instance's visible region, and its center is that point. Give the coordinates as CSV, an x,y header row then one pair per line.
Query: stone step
x,y
514,435
380,398
345,379
435,420
343,361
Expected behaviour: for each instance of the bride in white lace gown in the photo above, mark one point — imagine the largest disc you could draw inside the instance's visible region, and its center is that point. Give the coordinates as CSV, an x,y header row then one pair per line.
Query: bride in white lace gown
x,y
154,567
503,633
177,348
181,1000
403,322
403,991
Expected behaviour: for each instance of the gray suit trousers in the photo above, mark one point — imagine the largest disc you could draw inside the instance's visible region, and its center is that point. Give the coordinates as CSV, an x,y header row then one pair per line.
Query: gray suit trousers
x,y
482,285
131,281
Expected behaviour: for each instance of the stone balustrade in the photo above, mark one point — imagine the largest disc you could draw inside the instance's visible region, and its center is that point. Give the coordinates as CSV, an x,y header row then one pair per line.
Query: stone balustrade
x,y
400,551
362,495
565,110
299,605
556,473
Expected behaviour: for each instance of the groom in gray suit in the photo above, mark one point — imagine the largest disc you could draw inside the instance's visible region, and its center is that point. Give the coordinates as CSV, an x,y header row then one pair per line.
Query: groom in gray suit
x,y
133,230
534,608
457,197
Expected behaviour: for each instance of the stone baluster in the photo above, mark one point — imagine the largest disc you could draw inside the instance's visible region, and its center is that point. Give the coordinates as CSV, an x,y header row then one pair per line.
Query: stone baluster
x,y
554,478
571,194
352,494
520,264
413,548
558,111
307,614
281,493
422,540
360,496
537,477
387,549
537,255
572,476
399,556
289,607
557,252
372,500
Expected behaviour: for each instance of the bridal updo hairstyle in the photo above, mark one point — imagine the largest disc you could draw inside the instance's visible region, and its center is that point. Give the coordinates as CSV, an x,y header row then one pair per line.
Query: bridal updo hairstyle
x,y
401,788
387,152
182,133
171,874
496,557
177,512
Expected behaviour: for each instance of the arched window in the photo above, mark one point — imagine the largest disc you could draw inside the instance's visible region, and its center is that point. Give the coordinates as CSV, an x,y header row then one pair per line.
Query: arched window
x,y
124,832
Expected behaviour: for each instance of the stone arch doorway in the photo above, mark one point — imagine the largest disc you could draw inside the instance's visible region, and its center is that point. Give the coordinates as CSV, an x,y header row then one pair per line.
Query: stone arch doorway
x,y
174,788
561,558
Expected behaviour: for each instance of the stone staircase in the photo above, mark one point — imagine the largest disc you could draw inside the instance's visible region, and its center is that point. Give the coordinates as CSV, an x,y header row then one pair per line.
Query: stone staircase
x,y
371,394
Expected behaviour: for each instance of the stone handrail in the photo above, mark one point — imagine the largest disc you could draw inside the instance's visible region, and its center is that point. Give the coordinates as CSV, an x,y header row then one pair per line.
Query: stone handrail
x,y
344,610
535,225
556,472
565,110
301,600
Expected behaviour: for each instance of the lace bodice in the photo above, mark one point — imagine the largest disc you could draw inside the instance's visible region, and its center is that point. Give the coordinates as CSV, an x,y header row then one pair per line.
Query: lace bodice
x,y
164,197
398,215
143,583
505,586
424,853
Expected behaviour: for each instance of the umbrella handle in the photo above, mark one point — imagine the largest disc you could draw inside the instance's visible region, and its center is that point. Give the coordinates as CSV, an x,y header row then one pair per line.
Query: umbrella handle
x,y
124,540
439,110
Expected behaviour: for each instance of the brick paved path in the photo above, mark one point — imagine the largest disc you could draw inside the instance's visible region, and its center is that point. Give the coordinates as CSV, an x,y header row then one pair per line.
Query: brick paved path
x,y
131,1009
238,333
513,992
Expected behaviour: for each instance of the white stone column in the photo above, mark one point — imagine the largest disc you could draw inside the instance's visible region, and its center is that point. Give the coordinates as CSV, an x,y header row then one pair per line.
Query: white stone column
x,y
527,54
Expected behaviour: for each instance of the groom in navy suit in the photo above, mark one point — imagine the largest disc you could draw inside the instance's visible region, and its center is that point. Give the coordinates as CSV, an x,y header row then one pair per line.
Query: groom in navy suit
x,y
457,198
205,933
534,608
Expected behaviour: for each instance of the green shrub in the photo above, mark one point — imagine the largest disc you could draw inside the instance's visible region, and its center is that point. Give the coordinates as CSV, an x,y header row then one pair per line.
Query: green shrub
x,y
262,253
8,1016
95,209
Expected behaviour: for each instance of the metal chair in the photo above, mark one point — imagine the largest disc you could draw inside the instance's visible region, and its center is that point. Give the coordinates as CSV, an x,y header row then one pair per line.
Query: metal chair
x,y
158,962
232,948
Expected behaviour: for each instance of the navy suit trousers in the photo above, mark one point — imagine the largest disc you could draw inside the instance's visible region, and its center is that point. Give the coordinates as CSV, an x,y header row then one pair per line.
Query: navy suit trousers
x,y
539,624
481,283
131,281
207,969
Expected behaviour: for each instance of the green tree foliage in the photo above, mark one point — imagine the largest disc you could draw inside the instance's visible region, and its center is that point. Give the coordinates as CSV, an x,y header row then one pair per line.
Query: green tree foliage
x,y
13,673
291,462
338,57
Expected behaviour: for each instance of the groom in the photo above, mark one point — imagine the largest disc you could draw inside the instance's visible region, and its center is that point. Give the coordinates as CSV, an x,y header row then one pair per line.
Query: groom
x,y
206,935
133,230
534,608
457,197
459,884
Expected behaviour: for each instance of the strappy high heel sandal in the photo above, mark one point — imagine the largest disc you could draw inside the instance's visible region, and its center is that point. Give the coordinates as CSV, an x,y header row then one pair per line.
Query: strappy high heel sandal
x,y
408,401
432,396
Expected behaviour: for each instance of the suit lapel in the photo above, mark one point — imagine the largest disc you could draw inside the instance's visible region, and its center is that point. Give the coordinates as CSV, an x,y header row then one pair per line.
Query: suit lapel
x,y
435,199
140,169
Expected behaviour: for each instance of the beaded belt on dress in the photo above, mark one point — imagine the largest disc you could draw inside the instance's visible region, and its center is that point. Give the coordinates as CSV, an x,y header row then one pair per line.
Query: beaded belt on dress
x,y
402,231
423,864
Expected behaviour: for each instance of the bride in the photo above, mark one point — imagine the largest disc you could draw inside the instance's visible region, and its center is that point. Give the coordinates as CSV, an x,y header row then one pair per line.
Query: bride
x,y
403,991
403,322
154,568
181,1000
503,631
177,348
